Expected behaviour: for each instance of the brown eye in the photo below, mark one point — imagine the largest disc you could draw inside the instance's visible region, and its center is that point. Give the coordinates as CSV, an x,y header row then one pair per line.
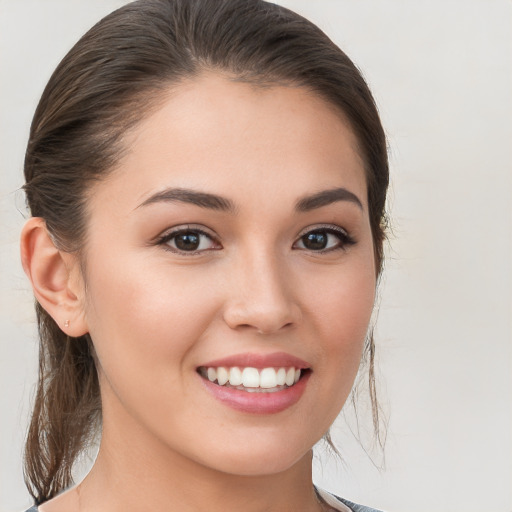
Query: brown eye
x,y
315,241
324,239
188,240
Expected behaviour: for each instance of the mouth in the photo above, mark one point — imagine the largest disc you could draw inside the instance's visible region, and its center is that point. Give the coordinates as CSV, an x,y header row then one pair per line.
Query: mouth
x,y
254,380
256,383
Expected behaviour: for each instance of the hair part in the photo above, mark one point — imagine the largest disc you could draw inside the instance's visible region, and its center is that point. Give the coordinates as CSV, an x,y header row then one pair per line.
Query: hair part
x,y
109,81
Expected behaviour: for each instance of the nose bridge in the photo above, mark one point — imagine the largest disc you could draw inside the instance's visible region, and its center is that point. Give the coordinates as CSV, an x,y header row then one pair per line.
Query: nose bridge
x,y
260,296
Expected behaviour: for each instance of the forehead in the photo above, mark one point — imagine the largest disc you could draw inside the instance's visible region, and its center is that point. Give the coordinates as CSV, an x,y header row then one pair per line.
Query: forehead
x,y
216,133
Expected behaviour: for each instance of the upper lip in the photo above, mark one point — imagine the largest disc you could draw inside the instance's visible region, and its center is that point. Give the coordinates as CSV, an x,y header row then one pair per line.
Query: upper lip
x,y
276,360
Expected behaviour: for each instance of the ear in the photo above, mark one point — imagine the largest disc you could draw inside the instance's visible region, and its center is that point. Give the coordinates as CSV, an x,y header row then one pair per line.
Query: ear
x,y
55,277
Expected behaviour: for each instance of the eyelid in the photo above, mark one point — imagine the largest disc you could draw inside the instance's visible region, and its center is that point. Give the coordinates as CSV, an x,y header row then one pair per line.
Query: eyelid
x,y
345,238
164,237
320,227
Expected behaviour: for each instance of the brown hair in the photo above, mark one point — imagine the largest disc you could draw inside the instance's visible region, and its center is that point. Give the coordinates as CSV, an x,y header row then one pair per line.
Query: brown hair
x,y
104,86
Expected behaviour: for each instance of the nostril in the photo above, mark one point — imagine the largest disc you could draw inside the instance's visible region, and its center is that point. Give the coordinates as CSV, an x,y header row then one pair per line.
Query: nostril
x,y
270,331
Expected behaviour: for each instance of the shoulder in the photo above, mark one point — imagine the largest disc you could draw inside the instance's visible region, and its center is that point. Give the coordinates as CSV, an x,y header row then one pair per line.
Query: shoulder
x,y
355,507
32,509
342,504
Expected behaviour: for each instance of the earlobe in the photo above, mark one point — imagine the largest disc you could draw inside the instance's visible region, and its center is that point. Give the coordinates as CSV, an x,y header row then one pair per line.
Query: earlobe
x,y
54,276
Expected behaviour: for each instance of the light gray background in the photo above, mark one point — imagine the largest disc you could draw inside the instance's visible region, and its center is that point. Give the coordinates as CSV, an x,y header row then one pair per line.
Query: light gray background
x,y
441,71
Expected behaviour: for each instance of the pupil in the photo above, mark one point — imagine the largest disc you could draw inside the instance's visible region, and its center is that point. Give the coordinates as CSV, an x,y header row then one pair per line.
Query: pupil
x,y
315,241
187,241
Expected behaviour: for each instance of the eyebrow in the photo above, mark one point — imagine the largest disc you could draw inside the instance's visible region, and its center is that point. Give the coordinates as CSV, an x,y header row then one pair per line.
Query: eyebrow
x,y
326,197
183,195
219,203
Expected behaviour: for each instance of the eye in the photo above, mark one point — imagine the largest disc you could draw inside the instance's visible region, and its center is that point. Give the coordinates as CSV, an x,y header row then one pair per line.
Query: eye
x,y
189,240
324,239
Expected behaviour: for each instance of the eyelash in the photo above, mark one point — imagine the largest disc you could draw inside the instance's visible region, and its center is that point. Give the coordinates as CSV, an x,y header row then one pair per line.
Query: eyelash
x,y
344,238
167,237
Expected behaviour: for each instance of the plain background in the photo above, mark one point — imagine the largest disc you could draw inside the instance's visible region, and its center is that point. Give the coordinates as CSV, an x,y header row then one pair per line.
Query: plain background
x,y
441,72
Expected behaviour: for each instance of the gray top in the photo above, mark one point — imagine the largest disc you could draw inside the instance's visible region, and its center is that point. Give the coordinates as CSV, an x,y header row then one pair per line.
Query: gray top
x,y
355,507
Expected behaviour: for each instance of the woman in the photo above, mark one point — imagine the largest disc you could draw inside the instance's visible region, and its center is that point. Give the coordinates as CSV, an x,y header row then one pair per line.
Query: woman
x,y
207,183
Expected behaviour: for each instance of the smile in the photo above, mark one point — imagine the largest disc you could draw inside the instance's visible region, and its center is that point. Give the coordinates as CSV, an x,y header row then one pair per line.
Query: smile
x,y
264,380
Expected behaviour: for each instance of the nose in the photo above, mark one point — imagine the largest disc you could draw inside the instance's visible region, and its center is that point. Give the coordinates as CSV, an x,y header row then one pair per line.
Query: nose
x,y
261,296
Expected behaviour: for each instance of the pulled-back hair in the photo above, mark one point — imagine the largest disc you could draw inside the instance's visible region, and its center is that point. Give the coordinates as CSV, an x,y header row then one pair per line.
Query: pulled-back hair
x,y
108,82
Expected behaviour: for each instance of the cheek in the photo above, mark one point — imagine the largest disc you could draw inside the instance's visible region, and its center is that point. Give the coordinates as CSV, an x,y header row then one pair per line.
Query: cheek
x,y
142,315
343,313
342,306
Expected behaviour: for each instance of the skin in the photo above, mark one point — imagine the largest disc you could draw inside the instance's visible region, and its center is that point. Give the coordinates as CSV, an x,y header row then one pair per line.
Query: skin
x,y
156,314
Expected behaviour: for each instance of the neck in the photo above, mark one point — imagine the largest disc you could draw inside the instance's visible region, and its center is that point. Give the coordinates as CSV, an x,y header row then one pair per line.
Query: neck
x,y
145,475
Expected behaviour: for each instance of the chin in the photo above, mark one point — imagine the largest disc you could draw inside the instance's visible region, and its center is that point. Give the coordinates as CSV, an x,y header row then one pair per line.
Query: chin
x,y
256,459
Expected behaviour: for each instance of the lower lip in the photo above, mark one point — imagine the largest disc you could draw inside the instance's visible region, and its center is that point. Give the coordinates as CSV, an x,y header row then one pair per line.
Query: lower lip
x,y
258,402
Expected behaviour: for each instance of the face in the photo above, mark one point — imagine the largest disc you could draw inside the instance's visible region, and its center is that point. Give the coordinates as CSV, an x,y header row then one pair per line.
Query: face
x,y
232,242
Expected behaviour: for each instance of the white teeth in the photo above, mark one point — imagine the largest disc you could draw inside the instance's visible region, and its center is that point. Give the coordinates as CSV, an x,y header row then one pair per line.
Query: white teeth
x,y
222,375
251,378
212,374
281,377
235,376
269,379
